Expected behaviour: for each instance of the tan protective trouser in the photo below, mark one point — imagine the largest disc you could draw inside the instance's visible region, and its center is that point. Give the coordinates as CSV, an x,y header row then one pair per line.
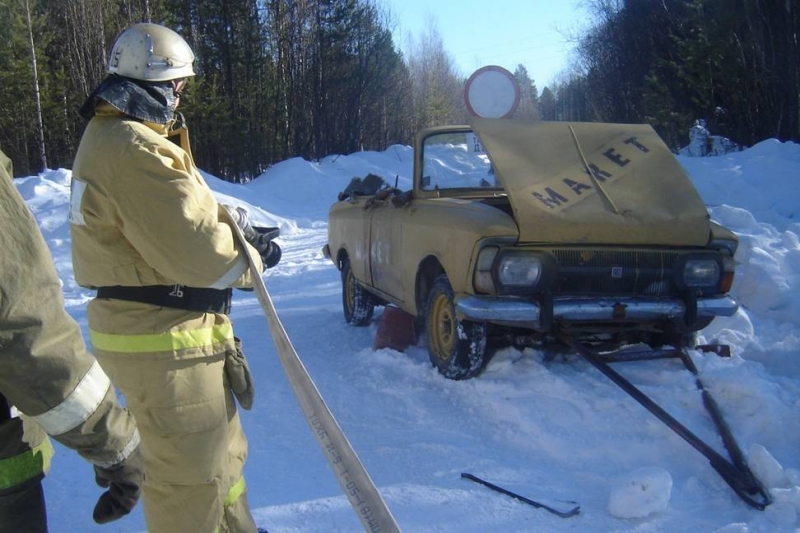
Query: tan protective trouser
x,y
169,365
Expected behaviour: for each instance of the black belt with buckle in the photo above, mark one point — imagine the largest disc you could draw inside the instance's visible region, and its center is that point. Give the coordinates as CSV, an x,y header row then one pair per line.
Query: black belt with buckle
x,y
176,296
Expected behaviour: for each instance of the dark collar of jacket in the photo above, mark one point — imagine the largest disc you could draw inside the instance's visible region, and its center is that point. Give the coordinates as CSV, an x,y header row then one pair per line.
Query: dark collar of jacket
x,y
141,100
104,109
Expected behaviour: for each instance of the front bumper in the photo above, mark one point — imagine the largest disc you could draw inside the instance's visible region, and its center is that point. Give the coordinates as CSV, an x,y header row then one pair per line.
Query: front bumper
x,y
528,313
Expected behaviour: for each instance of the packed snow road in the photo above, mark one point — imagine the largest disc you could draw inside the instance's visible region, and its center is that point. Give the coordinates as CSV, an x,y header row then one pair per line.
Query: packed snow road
x,y
548,429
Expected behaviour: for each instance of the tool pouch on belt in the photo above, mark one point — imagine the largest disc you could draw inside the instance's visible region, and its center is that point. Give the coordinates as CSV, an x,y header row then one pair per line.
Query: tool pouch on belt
x,y
238,372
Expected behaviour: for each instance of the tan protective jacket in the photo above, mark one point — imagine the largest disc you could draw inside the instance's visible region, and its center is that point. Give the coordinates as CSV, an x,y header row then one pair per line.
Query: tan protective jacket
x,y
45,371
141,213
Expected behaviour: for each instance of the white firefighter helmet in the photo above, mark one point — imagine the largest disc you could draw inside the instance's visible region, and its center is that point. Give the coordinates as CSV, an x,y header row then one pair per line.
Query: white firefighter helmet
x,y
151,52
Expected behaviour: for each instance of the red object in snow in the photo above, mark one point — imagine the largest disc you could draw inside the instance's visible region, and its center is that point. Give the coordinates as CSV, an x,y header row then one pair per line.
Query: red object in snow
x,y
395,330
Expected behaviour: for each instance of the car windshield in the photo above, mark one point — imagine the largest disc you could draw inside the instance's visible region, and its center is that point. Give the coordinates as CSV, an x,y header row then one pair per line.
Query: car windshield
x,y
456,160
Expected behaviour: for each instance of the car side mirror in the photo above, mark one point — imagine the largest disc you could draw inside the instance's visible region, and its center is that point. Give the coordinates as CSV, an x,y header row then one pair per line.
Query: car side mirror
x,y
425,182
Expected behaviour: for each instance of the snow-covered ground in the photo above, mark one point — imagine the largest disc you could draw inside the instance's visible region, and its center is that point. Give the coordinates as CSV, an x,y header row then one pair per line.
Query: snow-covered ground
x,y
550,430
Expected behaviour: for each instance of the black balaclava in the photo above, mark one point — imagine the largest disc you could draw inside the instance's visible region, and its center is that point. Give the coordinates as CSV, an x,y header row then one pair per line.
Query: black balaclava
x,y
153,101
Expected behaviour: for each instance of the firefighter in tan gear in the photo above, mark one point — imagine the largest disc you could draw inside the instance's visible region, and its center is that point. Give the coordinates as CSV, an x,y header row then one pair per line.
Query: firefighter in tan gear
x,y
150,237
49,384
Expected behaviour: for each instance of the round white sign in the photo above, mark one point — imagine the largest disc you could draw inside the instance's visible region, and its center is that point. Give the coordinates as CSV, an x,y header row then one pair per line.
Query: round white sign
x,y
491,92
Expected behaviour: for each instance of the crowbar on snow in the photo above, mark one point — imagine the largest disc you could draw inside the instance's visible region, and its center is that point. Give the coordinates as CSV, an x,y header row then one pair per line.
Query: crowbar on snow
x,y
563,514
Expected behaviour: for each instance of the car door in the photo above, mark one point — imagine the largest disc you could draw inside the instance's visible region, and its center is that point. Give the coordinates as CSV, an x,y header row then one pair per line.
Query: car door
x,y
385,247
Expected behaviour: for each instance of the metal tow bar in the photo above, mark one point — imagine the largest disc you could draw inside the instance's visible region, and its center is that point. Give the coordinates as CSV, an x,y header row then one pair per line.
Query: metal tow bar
x,y
735,472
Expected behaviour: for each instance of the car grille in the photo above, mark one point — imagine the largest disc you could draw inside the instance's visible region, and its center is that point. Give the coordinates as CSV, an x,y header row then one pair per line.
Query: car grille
x,y
621,272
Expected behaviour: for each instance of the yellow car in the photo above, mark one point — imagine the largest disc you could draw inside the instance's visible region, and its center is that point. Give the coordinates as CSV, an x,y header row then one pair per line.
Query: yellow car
x,y
516,231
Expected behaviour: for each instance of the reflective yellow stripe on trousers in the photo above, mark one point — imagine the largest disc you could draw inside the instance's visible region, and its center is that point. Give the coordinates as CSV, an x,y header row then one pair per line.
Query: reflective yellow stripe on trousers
x,y
161,342
236,491
20,468
234,494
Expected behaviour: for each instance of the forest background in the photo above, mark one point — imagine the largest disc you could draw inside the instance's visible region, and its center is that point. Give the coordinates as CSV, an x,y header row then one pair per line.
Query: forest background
x,y
307,78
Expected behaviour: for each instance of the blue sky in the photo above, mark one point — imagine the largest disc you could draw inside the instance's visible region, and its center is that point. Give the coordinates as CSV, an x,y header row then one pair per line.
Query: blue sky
x,y
501,32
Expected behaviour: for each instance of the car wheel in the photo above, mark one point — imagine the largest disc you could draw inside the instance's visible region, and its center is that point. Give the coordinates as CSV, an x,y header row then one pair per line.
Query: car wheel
x,y
357,303
457,349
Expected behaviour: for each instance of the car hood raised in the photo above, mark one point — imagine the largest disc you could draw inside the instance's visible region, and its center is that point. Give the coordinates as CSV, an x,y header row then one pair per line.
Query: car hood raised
x,y
640,195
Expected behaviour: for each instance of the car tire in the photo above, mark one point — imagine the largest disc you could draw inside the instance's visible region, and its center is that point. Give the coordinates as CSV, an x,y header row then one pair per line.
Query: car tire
x,y
457,349
357,303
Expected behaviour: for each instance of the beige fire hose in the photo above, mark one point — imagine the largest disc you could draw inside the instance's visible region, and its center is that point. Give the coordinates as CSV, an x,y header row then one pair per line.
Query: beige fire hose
x,y
364,497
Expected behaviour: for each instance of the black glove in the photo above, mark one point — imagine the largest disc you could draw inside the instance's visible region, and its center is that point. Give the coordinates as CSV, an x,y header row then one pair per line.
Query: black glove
x,y
269,250
124,484
259,238
270,255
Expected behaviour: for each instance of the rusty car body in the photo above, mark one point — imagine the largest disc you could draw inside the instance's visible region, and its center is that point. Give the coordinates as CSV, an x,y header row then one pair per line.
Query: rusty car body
x,y
515,230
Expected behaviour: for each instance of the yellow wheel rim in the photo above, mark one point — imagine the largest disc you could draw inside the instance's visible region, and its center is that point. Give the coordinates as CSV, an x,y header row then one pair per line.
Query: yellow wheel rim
x,y
443,327
350,291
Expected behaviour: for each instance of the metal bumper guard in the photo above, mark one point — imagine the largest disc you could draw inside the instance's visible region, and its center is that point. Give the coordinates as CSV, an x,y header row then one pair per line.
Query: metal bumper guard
x,y
513,310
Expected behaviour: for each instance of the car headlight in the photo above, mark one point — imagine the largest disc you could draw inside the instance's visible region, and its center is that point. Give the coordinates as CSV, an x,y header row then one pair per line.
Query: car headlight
x,y
701,273
519,270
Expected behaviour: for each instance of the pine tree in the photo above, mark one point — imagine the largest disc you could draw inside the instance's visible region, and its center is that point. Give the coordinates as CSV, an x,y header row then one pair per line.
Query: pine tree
x,y
547,105
529,95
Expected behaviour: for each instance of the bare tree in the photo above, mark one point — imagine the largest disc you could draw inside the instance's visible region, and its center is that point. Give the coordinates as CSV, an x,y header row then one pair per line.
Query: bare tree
x,y
36,94
437,88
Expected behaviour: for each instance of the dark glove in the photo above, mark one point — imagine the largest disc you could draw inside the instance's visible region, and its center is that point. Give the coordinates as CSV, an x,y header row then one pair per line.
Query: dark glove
x,y
259,238
269,250
270,255
124,483
238,372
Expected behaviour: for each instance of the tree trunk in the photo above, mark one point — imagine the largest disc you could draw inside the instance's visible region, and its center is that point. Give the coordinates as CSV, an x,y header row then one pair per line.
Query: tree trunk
x,y
37,98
